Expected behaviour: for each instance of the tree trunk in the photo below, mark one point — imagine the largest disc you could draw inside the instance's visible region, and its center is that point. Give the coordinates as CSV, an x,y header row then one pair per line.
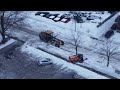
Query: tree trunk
x,y
108,61
76,50
3,37
2,28
75,26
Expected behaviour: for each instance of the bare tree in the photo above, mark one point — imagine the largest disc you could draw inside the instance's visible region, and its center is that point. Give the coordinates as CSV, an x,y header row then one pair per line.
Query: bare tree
x,y
76,38
9,19
109,49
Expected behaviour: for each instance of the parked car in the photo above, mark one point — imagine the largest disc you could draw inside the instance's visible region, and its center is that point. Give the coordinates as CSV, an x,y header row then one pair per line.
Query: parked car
x,y
92,17
45,13
83,14
59,18
53,16
78,19
73,12
68,19
48,15
117,19
45,61
38,13
56,19
67,15
109,33
65,20
114,26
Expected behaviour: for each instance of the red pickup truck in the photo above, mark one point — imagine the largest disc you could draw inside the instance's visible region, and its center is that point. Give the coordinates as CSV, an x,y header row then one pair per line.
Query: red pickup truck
x,y
76,58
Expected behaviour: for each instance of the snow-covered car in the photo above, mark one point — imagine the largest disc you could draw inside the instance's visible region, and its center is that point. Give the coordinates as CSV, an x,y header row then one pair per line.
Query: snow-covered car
x,y
65,20
56,19
48,15
92,17
73,12
45,61
38,13
53,16
59,18
43,14
68,15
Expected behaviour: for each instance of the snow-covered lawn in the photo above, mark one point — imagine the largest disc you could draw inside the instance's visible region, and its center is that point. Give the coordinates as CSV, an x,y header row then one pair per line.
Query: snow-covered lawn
x,y
81,71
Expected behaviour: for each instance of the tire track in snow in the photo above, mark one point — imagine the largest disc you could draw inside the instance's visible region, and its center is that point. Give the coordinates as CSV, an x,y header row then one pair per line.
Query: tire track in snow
x,y
36,34
91,69
76,63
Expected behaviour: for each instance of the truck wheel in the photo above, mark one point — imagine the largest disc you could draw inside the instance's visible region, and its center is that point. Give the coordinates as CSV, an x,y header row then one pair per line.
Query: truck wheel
x,y
62,43
57,45
81,61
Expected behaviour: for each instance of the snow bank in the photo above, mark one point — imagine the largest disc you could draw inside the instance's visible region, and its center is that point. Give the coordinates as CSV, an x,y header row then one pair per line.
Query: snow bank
x,y
81,71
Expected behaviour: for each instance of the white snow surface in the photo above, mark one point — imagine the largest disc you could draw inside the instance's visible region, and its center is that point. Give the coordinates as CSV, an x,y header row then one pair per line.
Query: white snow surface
x,y
87,29
94,60
106,26
81,71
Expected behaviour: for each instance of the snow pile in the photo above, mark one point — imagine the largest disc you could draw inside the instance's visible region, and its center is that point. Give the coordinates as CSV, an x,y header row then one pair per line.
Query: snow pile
x,y
81,71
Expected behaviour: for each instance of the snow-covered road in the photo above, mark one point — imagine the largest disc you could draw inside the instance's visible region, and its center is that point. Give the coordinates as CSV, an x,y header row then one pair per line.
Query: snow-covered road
x,y
81,71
